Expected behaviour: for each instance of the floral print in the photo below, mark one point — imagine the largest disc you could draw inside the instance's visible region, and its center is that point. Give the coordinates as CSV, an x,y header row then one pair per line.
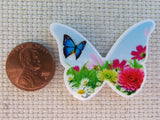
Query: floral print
x,y
109,75
76,68
131,79
140,54
125,75
118,65
94,62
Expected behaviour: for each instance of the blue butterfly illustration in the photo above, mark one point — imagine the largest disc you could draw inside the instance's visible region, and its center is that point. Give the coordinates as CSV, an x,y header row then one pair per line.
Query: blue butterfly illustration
x,y
70,47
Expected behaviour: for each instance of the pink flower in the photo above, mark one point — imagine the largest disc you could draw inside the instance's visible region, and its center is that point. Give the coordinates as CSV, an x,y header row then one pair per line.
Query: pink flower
x,y
131,78
94,62
118,65
140,53
146,32
76,68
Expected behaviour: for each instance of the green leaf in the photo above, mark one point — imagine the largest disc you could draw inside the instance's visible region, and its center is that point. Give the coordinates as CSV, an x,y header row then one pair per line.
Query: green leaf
x,y
100,67
91,75
67,63
137,64
130,63
71,71
118,87
106,65
84,66
111,63
128,92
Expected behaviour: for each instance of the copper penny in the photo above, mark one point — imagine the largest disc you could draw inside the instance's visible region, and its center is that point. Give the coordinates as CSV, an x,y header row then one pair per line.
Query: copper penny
x,y
30,66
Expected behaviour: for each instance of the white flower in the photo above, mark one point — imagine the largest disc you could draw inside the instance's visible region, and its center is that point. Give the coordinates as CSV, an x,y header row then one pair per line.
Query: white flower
x,y
70,77
89,89
81,91
85,92
84,82
98,84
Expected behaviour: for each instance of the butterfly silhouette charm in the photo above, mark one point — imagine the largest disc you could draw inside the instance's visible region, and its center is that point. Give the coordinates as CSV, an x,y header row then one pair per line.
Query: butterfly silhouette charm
x,y
86,71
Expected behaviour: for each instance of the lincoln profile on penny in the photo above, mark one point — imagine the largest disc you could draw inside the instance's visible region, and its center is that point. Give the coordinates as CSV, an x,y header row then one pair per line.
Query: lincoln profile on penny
x,y
29,59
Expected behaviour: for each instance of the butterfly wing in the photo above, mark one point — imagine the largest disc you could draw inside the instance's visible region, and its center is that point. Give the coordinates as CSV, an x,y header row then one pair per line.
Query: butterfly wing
x,y
79,75
69,46
67,51
72,38
79,49
136,35
127,57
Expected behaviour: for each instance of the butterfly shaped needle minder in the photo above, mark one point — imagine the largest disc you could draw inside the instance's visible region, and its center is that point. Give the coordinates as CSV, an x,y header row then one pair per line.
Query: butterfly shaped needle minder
x,y
86,71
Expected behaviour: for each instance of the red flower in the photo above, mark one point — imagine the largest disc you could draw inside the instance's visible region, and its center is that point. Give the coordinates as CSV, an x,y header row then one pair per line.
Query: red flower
x,y
140,53
76,68
131,78
118,65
